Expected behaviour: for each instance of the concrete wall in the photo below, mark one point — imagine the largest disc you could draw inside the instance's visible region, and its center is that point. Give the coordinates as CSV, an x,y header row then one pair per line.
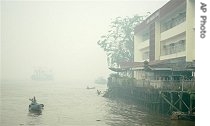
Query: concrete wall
x,y
190,31
140,46
157,40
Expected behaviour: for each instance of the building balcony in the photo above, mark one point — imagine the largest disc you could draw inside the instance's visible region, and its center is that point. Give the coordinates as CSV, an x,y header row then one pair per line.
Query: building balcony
x,y
174,55
173,31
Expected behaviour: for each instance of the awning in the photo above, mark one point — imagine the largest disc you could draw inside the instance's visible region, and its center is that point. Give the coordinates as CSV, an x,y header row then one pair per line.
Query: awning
x,y
117,69
169,69
138,68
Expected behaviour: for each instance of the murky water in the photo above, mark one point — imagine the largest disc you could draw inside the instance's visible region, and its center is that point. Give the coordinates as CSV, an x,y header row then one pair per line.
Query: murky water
x,y
71,104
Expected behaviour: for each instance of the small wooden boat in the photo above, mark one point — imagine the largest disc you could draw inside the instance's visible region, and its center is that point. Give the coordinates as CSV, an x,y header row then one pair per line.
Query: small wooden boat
x,y
34,106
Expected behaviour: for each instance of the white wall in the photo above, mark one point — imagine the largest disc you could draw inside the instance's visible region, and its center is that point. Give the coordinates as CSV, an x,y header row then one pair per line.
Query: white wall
x,y
190,34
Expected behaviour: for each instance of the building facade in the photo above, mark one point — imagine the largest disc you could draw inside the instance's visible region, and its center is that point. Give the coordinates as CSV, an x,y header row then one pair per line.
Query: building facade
x,y
163,69
166,39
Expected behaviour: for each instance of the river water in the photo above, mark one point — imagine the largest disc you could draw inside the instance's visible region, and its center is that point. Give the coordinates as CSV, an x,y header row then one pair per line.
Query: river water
x,y
71,104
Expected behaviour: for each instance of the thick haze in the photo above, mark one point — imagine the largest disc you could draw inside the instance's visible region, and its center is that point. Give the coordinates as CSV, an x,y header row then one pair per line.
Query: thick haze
x,y
61,36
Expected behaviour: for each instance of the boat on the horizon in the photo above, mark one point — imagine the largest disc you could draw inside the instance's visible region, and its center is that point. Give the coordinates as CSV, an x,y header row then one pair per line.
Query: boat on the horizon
x,y
90,87
42,74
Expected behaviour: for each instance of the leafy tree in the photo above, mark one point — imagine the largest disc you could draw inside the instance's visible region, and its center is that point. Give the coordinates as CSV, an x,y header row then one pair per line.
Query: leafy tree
x,y
118,42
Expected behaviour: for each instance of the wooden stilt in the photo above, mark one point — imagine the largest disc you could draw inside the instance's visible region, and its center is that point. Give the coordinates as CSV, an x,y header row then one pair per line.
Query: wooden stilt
x,y
171,97
169,102
180,102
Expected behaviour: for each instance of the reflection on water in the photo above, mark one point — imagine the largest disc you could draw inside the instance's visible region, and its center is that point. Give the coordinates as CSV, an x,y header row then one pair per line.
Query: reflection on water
x,y
126,113
34,118
34,113
72,104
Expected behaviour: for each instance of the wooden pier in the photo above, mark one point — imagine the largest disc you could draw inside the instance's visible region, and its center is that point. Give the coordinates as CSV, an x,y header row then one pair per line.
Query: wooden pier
x,y
161,100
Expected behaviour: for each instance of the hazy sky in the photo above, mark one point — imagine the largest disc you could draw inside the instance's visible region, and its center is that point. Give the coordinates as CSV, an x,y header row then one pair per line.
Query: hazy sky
x,y
61,36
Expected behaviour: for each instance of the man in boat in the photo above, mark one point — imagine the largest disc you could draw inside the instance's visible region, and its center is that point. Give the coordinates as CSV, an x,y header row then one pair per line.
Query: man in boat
x,y
33,100
98,92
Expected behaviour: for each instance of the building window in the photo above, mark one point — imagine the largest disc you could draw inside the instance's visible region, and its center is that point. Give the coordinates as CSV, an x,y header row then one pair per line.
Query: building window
x,y
178,19
173,48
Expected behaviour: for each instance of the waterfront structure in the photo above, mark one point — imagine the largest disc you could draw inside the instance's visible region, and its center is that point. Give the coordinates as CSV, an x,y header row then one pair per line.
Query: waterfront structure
x,y
166,39
164,46
163,67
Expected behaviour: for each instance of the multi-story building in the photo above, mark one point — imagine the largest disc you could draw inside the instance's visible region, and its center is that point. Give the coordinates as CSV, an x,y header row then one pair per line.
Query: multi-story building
x,y
166,39
162,74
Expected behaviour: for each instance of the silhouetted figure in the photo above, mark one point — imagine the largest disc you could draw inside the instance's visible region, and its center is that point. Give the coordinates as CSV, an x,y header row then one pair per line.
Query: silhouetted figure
x,y
34,99
98,92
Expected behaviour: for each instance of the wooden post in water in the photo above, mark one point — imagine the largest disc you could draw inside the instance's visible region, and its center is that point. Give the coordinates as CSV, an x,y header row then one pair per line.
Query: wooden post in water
x,y
192,97
172,101
159,104
180,102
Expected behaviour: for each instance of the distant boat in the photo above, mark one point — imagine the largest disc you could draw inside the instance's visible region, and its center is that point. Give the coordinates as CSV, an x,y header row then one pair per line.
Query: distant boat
x,y
90,87
42,74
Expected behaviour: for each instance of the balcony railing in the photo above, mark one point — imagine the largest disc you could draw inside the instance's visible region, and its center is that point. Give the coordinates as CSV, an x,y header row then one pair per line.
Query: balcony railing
x,y
178,85
173,22
173,48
